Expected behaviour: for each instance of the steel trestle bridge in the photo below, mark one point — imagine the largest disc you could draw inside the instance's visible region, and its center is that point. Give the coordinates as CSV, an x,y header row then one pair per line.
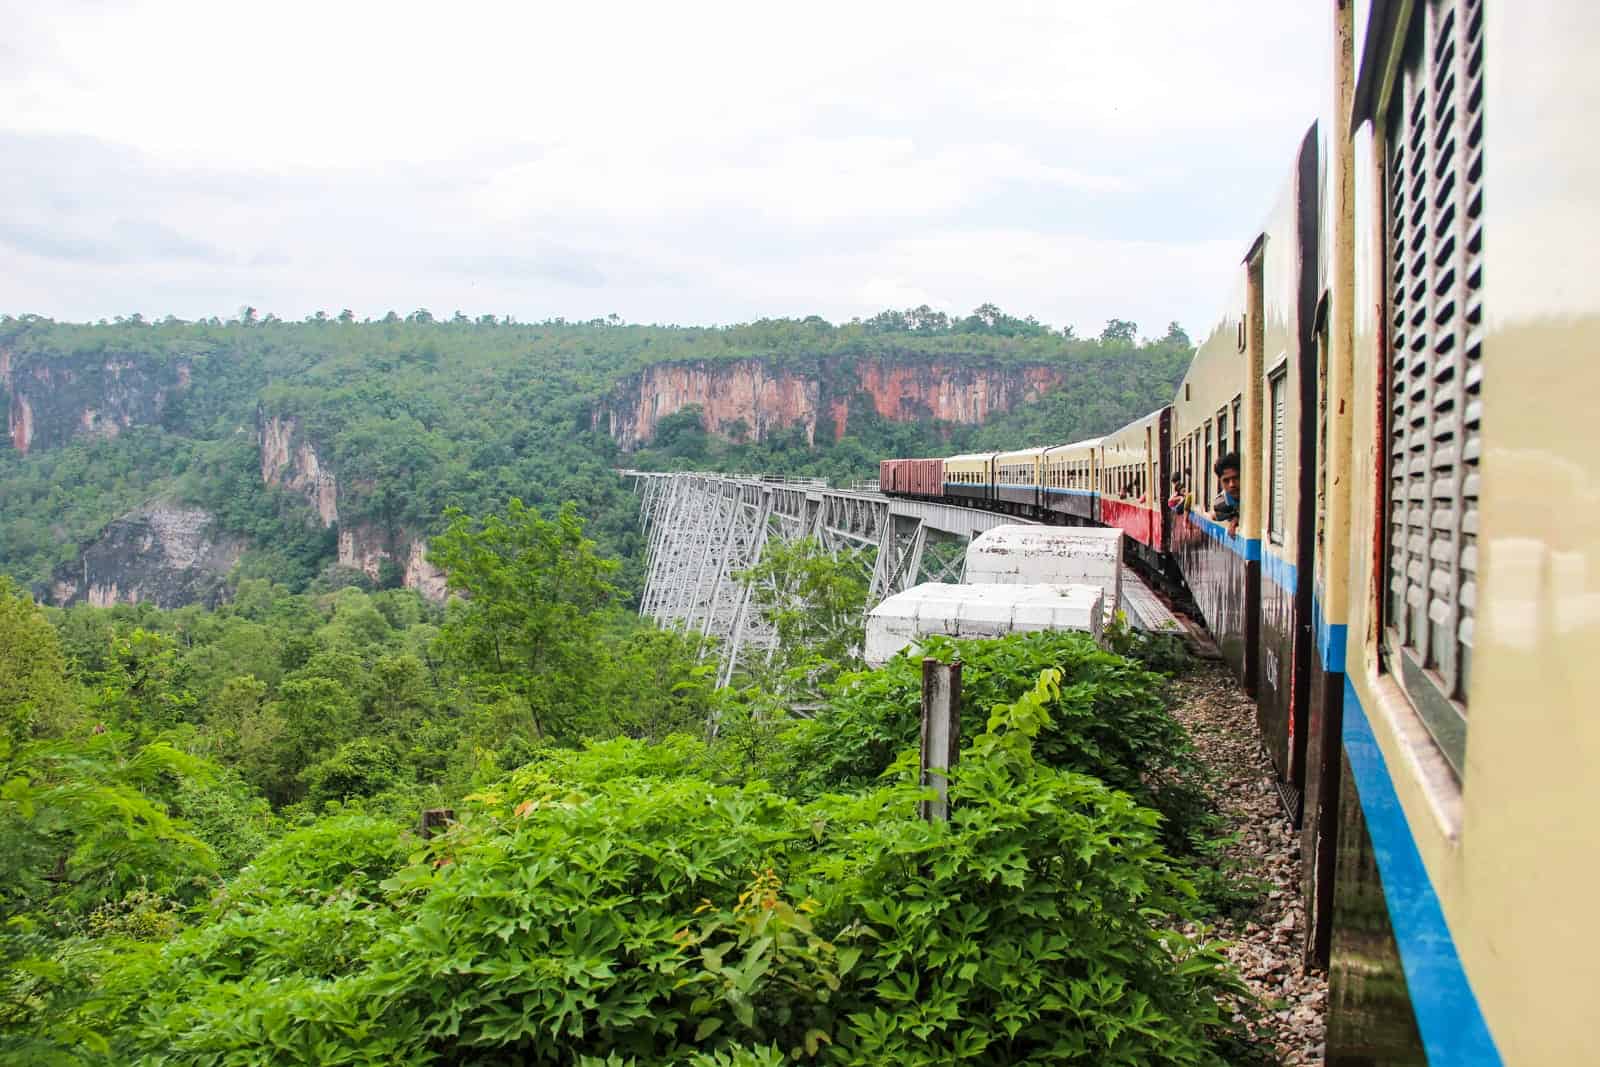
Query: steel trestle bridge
x,y
702,530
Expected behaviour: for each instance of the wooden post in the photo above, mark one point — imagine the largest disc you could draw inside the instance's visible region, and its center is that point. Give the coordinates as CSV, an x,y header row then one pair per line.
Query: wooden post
x,y
941,734
434,821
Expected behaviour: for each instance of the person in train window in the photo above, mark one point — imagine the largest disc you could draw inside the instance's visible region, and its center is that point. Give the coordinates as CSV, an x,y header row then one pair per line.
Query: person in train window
x,y
1177,502
1225,508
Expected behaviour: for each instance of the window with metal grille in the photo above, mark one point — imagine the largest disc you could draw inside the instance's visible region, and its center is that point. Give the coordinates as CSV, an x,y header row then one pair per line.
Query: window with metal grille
x,y
1322,453
1434,245
1278,499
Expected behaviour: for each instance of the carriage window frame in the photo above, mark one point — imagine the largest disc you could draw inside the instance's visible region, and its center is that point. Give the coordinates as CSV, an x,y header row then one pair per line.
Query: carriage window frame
x,y
1431,365
1278,453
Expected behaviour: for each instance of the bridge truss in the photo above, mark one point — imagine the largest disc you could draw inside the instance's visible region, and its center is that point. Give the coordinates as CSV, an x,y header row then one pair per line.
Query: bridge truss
x,y
704,530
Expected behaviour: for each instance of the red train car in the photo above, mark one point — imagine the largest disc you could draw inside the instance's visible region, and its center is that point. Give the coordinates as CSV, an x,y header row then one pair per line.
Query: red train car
x,y
912,477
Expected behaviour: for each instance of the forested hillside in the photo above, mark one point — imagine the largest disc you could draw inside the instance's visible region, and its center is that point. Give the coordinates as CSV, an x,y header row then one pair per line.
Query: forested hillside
x,y
379,426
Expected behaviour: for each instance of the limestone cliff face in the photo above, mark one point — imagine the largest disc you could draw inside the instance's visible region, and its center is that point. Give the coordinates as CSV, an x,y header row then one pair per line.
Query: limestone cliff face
x,y
365,547
290,460
163,555
726,392
56,399
766,399
904,392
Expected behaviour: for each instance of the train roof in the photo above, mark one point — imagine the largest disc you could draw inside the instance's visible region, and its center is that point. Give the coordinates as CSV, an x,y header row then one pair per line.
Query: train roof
x,y
1087,442
971,457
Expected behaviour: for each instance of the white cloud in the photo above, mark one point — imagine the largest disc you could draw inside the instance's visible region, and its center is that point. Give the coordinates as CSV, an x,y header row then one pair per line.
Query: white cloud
x,y
708,162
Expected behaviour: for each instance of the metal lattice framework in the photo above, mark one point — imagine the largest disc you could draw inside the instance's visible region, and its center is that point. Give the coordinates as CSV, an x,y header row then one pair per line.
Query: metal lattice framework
x,y
703,530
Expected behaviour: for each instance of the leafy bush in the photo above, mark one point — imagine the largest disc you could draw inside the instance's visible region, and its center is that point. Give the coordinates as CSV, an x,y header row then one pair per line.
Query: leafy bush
x,y
1108,720
617,906
348,853
357,768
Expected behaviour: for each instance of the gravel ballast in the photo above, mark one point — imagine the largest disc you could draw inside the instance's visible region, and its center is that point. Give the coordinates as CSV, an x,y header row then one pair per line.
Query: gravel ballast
x,y
1266,942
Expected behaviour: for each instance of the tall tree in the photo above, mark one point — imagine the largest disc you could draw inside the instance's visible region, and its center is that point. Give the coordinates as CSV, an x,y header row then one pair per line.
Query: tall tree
x,y
33,692
527,625
1119,332
816,604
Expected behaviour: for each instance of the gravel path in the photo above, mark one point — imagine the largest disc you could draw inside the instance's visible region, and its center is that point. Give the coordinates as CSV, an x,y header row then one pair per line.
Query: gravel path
x,y
1221,719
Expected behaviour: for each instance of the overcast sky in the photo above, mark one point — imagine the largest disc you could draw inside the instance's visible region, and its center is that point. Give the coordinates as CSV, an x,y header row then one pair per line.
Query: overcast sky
x,y
688,162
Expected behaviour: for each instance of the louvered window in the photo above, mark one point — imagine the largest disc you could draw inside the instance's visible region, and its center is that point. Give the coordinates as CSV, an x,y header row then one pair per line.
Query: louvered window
x,y
1277,504
1435,290
1322,453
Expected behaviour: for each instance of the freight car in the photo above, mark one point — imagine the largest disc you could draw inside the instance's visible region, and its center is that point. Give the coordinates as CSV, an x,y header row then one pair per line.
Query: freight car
x,y
1411,589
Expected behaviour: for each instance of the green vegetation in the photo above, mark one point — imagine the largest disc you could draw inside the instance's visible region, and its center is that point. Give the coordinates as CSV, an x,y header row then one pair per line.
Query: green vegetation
x,y
210,820
419,414
210,815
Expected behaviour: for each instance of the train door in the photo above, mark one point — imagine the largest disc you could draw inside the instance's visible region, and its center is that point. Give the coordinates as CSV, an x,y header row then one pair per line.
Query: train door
x,y
1250,491
1162,488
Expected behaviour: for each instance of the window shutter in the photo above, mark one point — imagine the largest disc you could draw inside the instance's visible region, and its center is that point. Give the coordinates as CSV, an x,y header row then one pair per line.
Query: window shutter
x,y
1435,256
1279,499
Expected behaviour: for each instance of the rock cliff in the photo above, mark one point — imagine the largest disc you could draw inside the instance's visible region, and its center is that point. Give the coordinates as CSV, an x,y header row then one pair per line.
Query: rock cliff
x,y
163,555
53,400
751,397
290,459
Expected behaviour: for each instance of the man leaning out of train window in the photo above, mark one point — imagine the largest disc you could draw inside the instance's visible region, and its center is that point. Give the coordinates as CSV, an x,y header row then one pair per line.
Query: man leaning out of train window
x,y
1225,508
1178,500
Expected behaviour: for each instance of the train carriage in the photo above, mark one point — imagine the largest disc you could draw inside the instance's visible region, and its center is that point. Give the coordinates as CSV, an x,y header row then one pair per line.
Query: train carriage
x,y
970,478
1018,480
1069,481
1467,780
1277,466
1208,418
1412,590
923,478
1132,469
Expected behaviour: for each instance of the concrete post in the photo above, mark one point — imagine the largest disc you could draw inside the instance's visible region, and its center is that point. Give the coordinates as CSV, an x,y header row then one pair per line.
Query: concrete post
x,y
941,734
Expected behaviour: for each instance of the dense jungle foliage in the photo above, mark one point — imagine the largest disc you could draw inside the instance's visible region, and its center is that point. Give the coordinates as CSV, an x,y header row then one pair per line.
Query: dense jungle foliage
x,y
419,414
210,824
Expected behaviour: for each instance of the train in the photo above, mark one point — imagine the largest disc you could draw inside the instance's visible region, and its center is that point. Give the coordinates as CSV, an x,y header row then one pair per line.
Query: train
x,y
1405,366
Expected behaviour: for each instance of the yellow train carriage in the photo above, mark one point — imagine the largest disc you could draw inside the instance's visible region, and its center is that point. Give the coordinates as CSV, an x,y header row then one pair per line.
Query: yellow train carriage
x,y
1070,476
970,478
1208,423
1458,569
1019,479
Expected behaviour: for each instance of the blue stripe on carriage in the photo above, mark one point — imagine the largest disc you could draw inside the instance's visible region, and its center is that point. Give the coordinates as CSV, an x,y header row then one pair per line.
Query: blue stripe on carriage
x,y
1280,571
1448,1017
1330,638
1074,492
1249,548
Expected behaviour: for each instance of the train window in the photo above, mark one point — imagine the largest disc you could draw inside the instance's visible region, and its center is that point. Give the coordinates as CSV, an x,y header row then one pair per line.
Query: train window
x,y
1210,459
1222,430
1238,428
1433,227
1277,503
